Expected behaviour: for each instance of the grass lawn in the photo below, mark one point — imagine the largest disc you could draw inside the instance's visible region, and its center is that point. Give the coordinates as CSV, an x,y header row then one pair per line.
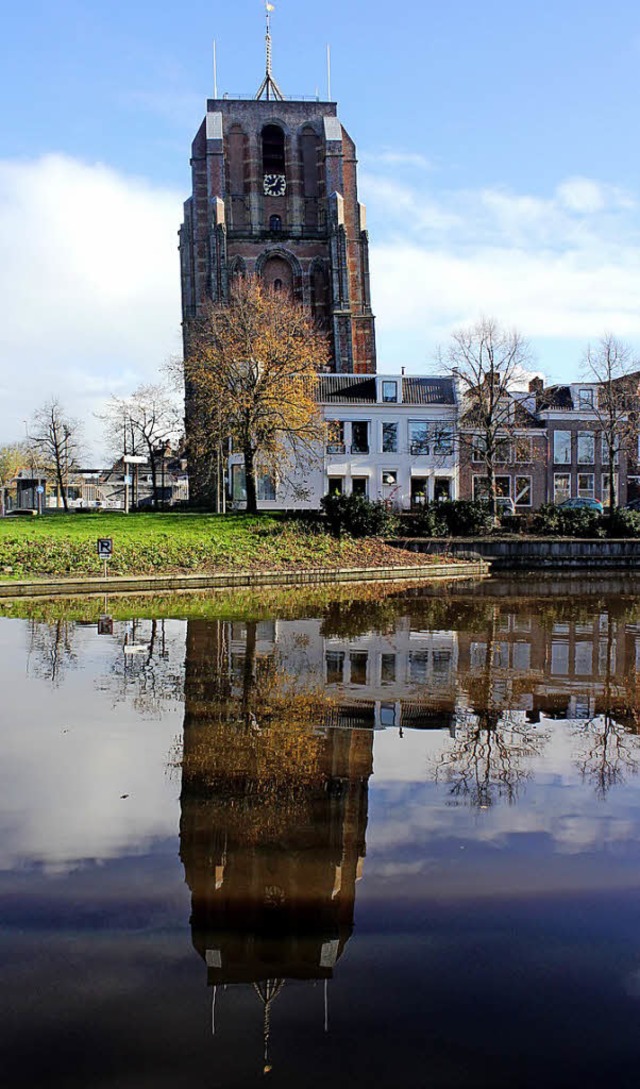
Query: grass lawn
x,y
166,543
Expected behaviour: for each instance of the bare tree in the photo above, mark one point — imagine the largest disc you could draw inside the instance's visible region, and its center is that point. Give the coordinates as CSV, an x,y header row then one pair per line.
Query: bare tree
x,y
612,364
488,362
55,438
146,422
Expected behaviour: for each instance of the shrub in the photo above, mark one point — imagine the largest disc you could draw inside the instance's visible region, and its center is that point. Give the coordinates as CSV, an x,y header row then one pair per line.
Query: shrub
x,y
563,522
624,523
358,516
429,521
467,517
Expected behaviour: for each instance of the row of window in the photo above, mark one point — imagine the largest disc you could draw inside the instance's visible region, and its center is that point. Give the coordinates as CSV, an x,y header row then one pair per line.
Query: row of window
x,y
422,666
420,486
519,449
585,487
517,488
425,437
265,485
585,447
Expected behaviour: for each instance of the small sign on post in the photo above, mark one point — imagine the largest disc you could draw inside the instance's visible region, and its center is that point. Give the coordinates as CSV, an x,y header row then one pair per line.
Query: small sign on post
x,y
105,551
105,625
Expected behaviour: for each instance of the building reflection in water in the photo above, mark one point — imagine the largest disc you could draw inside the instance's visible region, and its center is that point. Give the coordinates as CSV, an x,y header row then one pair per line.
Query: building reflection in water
x,y
273,818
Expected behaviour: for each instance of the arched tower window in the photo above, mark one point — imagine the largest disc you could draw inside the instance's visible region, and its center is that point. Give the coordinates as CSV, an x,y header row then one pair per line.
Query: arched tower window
x,y
237,269
277,275
273,160
275,223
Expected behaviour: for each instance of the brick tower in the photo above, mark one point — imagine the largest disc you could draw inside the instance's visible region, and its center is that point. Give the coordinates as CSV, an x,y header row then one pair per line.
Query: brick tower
x,y
274,193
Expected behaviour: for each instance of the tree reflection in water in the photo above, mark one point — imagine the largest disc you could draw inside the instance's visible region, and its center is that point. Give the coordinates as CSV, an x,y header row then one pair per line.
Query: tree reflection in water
x,y
51,649
487,761
609,750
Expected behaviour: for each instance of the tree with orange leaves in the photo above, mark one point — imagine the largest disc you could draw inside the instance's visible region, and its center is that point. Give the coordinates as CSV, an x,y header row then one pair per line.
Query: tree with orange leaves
x,y
251,372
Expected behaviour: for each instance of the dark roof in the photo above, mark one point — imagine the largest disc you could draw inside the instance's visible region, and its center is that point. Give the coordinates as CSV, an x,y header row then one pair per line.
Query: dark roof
x,y
428,391
554,397
350,388
358,389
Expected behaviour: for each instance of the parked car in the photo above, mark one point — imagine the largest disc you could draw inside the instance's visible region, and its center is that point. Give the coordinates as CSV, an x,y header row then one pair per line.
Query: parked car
x,y
582,504
634,504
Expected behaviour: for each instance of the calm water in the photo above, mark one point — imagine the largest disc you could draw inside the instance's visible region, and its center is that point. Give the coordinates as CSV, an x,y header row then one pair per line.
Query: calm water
x,y
382,842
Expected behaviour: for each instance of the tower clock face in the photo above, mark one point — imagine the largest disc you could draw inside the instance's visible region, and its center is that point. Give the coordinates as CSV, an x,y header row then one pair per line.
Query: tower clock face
x,y
275,185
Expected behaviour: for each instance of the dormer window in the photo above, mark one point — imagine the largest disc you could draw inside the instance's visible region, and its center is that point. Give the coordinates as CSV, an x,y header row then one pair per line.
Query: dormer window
x,y
586,398
390,392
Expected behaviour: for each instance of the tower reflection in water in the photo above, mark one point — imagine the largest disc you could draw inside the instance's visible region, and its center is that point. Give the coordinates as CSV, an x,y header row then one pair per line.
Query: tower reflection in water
x,y
273,820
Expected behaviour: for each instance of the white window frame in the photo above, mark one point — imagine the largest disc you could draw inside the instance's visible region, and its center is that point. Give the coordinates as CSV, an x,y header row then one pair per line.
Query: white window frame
x,y
359,476
586,438
478,453
523,444
586,491
443,438
587,398
556,451
604,454
367,425
604,487
426,442
336,445
557,496
238,484
261,476
517,492
394,424
389,400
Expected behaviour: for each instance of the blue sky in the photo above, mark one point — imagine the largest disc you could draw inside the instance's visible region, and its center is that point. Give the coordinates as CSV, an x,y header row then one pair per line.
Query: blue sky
x,y
498,162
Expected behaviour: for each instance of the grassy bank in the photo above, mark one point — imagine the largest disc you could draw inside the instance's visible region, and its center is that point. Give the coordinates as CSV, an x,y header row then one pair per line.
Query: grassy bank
x,y
147,544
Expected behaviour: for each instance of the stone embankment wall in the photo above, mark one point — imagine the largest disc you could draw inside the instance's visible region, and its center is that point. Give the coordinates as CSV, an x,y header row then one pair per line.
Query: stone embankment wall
x,y
130,584
530,554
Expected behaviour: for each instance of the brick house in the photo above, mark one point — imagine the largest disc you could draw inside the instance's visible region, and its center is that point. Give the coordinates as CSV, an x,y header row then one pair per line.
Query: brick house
x,y
577,463
520,471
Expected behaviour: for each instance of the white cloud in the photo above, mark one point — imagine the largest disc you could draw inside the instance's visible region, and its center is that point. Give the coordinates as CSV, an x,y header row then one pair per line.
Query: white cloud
x,y
395,158
584,196
89,273
562,268
89,278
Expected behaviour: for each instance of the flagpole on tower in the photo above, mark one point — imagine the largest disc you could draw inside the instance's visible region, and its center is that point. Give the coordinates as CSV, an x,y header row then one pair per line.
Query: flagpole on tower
x,y
269,87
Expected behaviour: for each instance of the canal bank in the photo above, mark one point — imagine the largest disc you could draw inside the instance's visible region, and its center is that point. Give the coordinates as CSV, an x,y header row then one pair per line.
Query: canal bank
x,y
531,554
133,584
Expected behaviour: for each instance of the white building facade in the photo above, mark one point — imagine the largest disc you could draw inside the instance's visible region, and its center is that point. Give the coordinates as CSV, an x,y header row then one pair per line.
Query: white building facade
x,y
390,438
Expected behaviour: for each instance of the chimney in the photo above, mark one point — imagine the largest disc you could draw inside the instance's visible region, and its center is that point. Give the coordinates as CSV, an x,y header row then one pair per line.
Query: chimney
x,y
536,385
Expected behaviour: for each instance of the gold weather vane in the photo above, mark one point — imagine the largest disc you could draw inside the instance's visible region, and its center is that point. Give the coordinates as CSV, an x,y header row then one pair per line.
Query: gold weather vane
x,y
269,88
